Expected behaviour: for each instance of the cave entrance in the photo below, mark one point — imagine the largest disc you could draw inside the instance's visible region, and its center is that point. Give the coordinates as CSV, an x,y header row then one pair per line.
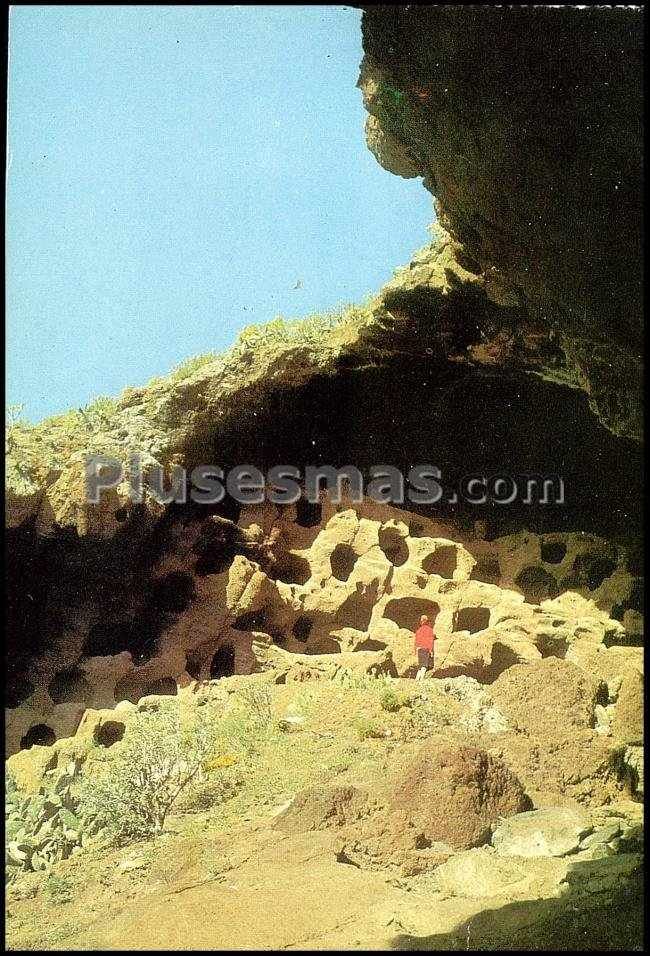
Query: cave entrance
x,y
70,685
355,612
442,562
472,619
550,646
302,629
502,657
407,611
223,661
39,735
173,592
139,636
109,733
308,513
164,686
251,621
394,546
593,569
486,570
342,561
536,584
553,552
193,666
215,563
107,638
216,545
292,569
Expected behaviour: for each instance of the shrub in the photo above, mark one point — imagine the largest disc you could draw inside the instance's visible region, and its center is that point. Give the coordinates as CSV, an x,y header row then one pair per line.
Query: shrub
x,y
186,369
426,715
367,727
392,701
132,793
58,889
362,682
258,699
99,412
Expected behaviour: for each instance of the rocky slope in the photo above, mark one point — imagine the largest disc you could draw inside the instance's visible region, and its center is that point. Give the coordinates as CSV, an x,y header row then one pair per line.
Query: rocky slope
x,y
439,815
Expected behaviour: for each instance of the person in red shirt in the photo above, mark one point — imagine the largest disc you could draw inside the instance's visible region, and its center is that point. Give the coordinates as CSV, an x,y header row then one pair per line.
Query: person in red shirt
x,y
424,640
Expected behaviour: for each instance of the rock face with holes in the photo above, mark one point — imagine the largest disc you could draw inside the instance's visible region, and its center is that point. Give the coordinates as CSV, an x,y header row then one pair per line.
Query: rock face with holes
x,y
343,580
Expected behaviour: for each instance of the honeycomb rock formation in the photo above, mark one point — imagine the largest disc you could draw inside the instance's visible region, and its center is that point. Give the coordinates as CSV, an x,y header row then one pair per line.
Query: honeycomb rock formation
x,y
337,581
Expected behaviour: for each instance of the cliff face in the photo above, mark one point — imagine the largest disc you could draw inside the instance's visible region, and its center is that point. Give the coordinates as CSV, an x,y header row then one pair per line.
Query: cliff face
x,y
108,601
432,369
490,352
526,125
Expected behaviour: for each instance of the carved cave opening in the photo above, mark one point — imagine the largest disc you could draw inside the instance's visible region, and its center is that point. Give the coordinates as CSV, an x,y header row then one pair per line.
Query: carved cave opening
x,y
442,562
70,685
406,612
108,733
223,661
472,619
342,561
536,584
38,735
394,546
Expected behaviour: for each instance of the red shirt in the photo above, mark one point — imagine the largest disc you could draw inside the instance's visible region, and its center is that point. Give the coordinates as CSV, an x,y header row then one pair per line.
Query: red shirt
x,y
424,637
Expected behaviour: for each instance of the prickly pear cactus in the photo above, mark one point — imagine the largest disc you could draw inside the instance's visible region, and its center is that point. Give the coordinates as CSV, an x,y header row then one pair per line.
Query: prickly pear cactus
x,y
44,827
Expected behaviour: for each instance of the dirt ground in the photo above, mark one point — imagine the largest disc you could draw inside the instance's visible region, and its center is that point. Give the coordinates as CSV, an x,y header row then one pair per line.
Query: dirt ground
x,y
230,877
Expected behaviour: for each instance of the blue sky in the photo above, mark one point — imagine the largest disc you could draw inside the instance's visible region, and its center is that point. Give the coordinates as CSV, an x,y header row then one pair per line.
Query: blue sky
x,y
173,172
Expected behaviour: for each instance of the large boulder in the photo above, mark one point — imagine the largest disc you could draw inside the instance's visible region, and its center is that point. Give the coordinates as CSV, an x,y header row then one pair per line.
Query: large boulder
x,y
547,697
627,722
552,832
453,794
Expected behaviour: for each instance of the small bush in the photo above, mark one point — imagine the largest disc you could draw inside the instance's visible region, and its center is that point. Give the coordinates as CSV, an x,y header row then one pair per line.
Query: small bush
x,y
392,701
99,412
258,701
58,889
375,683
132,793
426,715
185,369
366,728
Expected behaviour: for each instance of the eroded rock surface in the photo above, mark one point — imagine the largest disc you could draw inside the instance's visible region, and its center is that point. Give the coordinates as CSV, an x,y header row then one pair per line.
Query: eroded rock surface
x,y
347,592
536,172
